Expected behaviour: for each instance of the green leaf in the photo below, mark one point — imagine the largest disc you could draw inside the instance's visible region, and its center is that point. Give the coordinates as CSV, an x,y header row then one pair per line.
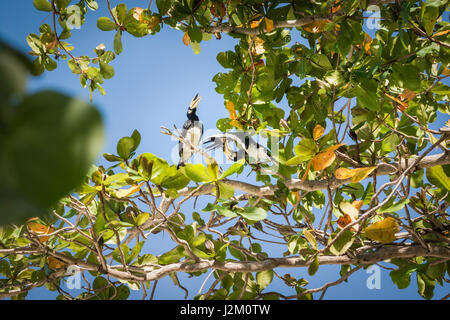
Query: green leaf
x,y
42,5
163,6
105,24
343,243
314,266
52,142
389,208
118,43
106,70
321,61
425,286
195,47
437,176
171,256
264,278
236,167
253,213
111,157
401,277
197,172
366,92
390,143
92,4
125,147
429,19
306,149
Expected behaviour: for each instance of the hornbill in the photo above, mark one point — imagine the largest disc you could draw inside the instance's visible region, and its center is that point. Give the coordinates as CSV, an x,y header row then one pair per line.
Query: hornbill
x,y
191,132
254,153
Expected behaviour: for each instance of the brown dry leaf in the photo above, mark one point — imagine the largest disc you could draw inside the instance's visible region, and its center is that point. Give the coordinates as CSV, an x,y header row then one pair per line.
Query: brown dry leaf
x,y
344,220
258,46
218,9
40,229
407,95
316,26
54,263
344,173
255,24
259,63
123,193
186,39
358,204
362,173
383,231
440,33
318,131
323,160
401,105
269,24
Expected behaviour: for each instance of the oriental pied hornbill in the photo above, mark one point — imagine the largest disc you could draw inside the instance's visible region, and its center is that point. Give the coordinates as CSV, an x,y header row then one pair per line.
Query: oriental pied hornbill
x,y
191,132
253,152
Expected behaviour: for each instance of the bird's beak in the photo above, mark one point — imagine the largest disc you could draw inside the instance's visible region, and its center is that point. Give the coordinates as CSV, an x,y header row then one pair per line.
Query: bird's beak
x,y
195,101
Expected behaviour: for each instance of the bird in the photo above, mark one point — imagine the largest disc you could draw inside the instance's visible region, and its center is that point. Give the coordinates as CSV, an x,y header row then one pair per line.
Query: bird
x,y
253,152
191,132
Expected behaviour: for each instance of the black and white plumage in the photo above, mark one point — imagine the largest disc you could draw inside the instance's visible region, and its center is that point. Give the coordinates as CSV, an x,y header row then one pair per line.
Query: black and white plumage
x,y
191,132
253,152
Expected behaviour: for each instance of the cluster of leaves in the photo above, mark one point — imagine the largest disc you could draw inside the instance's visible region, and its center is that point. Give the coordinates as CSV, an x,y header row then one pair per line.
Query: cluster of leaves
x,y
355,102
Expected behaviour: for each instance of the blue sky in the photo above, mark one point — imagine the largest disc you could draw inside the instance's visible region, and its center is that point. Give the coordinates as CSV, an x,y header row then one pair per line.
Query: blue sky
x,y
155,79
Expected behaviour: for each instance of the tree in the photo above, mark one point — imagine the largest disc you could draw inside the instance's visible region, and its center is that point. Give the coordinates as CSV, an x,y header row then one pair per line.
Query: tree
x,y
357,149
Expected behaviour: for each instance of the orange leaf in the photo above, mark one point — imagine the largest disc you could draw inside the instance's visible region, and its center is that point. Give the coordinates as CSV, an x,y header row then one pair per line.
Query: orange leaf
x,y
323,160
441,33
446,72
230,107
367,43
316,26
186,39
255,23
40,229
122,193
269,24
318,131
307,170
358,204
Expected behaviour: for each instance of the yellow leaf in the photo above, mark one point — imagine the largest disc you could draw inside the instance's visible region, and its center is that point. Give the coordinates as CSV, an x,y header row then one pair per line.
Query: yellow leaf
x,y
122,193
323,160
316,26
344,173
362,173
357,174
55,263
383,231
186,39
269,24
367,43
318,131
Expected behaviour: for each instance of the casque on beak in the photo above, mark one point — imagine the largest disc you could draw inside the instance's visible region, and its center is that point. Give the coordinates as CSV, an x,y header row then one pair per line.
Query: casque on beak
x,y
195,101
